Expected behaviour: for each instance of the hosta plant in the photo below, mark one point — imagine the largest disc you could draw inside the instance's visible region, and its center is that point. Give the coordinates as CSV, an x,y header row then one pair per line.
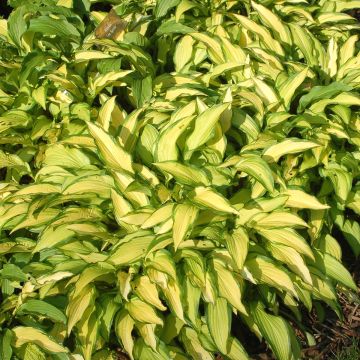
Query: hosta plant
x,y
176,174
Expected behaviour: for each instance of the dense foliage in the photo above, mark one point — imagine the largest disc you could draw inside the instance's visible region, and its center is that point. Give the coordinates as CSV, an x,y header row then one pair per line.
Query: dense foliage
x,y
173,183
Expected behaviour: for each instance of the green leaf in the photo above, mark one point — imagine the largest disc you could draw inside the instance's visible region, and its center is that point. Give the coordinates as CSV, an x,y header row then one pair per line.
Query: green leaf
x,y
13,272
42,308
17,25
5,344
163,6
48,26
173,27
322,92
142,90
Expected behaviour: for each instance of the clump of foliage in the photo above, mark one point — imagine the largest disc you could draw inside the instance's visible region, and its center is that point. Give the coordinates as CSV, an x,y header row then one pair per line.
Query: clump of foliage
x,y
180,185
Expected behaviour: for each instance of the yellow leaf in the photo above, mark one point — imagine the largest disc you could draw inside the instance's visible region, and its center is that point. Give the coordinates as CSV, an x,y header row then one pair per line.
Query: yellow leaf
x,y
143,312
25,334
77,306
123,328
131,251
288,237
273,22
210,199
237,243
166,147
301,200
172,294
228,286
278,219
114,155
185,174
219,322
148,292
264,270
105,113
160,215
293,260
287,146
184,217
204,126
